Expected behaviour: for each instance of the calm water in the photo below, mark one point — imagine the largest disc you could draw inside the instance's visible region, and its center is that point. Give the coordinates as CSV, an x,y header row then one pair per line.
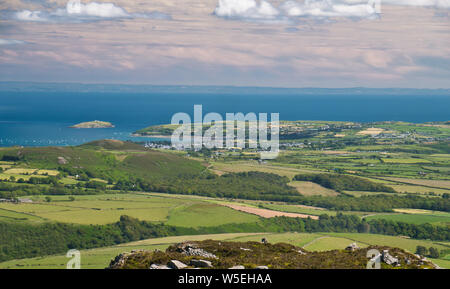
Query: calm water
x,y
42,118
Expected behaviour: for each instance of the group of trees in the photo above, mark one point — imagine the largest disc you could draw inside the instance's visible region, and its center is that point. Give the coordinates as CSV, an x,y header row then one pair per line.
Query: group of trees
x,y
245,185
430,252
378,203
13,191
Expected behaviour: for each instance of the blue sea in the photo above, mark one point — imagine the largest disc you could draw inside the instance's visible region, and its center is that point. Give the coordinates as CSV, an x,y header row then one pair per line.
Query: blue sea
x,y
42,118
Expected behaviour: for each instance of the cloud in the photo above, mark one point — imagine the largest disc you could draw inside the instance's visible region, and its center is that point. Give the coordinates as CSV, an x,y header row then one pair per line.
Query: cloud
x,y
252,10
419,3
329,8
75,11
10,42
246,9
94,9
263,10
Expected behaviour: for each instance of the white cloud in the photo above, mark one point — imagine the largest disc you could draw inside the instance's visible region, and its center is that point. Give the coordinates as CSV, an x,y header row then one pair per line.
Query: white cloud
x,y
419,3
10,42
75,11
263,10
106,10
329,8
414,3
27,15
246,9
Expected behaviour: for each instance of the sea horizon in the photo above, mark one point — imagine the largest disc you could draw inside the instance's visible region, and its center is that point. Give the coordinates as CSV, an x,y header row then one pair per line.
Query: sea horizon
x,y
40,115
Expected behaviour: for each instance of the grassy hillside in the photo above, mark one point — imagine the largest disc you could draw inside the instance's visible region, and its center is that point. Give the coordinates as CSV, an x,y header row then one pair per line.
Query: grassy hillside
x,y
103,163
100,258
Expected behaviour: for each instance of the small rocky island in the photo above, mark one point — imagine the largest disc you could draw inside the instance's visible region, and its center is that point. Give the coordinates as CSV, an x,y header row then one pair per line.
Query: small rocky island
x,y
94,124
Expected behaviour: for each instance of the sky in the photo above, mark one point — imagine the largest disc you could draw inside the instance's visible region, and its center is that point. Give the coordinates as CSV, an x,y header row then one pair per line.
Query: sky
x,y
277,43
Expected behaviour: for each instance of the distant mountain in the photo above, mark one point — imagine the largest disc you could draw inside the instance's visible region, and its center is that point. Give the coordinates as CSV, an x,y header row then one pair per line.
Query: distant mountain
x,y
186,89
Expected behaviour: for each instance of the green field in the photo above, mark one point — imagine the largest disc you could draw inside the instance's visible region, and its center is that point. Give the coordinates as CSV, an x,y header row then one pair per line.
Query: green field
x,y
206,214
414,218
104,209
13,216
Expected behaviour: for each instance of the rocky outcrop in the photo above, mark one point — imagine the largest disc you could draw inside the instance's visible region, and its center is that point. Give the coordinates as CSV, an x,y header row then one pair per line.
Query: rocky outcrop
x,y
201,263
175,264
389,259
352,247
237,267
210,254
156,266
119,261
191,249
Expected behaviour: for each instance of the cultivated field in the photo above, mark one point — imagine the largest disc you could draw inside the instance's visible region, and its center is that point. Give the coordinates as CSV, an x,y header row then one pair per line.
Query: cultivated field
x,y
268,213
431,183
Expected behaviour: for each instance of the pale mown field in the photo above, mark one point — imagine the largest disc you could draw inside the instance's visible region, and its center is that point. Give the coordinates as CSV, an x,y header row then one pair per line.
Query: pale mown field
x,y
311,189
416,189
432,183
246,166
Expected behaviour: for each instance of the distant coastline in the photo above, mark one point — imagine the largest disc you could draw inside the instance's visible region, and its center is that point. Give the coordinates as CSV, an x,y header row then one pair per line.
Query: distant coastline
x,y
151,136
41,124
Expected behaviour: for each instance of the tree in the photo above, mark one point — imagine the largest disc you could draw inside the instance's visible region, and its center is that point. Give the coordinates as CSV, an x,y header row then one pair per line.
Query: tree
x,y
48,199
364,227
421,250
433,253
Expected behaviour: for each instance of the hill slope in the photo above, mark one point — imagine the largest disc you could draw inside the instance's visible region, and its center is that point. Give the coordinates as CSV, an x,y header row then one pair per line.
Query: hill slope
x,y
251,255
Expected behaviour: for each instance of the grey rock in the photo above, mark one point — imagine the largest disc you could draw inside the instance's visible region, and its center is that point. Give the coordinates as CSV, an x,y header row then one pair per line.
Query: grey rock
x,y
119,261
352,247
388,259
175,264
237,267
190,249
201,263
262,267
155,266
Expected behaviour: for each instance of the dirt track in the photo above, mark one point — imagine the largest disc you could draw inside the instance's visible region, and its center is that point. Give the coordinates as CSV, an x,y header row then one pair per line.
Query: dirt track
x,y
268,213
